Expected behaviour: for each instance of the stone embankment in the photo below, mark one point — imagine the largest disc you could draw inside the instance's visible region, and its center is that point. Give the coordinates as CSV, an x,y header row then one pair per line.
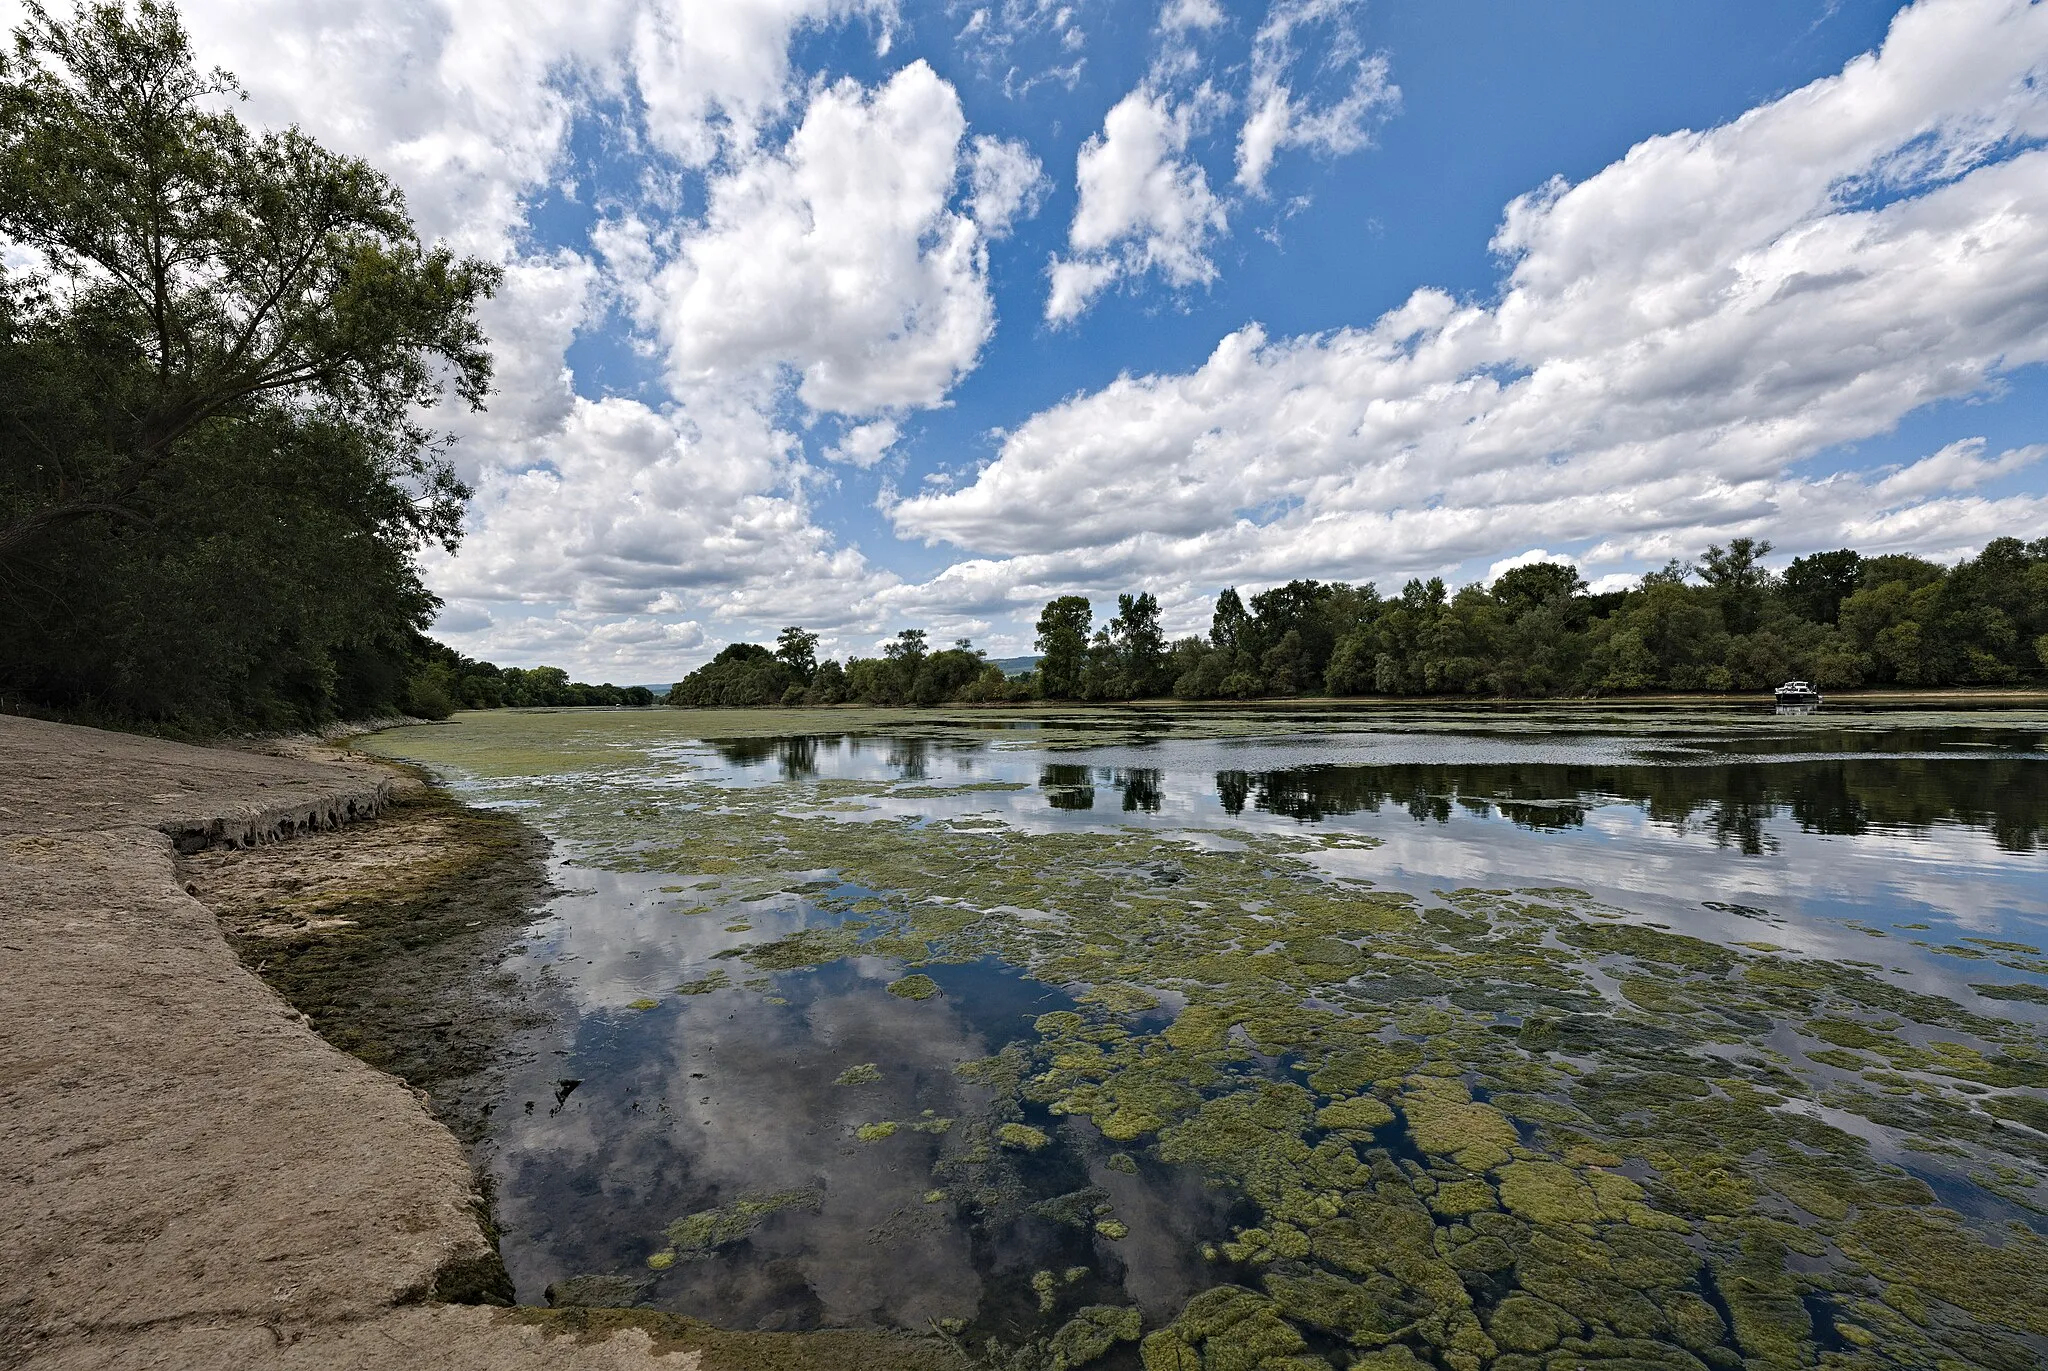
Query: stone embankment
x,y
192,1177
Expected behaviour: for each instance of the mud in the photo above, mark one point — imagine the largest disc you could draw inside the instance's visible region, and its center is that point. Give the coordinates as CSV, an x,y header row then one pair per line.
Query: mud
x,y
388,935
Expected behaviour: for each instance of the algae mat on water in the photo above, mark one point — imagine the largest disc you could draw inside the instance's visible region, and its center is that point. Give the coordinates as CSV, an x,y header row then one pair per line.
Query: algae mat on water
x,y
1511,1128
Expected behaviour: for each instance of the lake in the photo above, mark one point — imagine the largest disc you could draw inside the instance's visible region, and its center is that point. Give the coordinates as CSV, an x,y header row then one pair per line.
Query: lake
x,y
1288,1036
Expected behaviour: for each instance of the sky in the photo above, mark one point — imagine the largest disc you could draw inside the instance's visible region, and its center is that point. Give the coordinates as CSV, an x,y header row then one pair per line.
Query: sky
x,y
869,314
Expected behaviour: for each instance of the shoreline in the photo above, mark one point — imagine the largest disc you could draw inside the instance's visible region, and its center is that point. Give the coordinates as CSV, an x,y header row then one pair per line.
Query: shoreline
x,y
1999,697
197,1177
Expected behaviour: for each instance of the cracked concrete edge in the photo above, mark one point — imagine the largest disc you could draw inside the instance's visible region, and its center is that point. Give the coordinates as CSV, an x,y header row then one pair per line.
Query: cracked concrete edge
x,y
194,1177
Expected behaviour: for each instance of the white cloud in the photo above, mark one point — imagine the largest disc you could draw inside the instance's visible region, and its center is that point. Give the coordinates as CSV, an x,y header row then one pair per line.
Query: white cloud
x,y
1008,184
1279,114
464,104
837,256
626,511
1674,334
1143,205
1075,284
1959,466
1529,558
713,75
863,445
1190,14
1024,44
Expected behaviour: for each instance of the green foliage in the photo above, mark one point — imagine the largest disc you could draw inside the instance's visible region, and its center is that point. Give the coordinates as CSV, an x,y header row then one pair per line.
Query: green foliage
x,y
213,482
797,649
444,681
741,674
1063,646
1816,585
1835,618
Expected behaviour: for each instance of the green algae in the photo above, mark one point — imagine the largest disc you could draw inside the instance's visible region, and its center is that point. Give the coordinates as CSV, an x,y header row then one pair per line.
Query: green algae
x,y
2031,994
917,986
1092,1332
1358,1113
867,1073
703,1232
1502,1128
704,985
644,1004
875,1132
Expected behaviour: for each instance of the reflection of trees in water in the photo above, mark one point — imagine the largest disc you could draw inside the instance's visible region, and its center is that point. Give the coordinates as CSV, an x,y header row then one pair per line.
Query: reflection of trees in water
x,y
797,756
2006,797
1067,787
1073,787
1140,786
912,758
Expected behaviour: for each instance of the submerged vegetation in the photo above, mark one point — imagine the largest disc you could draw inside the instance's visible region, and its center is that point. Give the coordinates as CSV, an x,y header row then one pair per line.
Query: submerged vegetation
x,y
1506,1128
1839,619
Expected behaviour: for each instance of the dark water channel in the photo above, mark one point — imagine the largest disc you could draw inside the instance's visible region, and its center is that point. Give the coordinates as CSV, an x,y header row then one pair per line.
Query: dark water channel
x,y
1909,847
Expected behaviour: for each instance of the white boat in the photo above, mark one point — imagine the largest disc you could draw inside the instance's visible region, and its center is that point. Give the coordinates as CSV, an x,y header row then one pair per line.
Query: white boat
x,y
1797,693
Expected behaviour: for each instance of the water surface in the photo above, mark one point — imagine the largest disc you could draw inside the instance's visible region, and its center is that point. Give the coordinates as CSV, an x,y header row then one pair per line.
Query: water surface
x,y
1232,1001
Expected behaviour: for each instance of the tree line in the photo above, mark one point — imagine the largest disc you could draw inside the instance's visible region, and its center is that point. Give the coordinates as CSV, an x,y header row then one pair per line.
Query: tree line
x,y
1725,623
447,681
907,673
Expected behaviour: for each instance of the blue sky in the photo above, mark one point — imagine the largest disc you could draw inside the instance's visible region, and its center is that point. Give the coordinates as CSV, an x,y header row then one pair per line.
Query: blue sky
x,y
861,314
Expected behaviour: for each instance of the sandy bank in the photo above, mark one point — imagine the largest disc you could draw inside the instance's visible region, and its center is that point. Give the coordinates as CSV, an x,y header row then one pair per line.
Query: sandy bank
x,y
193,1177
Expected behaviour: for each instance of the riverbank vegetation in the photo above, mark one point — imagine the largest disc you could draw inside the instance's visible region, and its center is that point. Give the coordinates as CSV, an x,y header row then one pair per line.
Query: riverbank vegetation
x,y
1839,619
216,348
444,681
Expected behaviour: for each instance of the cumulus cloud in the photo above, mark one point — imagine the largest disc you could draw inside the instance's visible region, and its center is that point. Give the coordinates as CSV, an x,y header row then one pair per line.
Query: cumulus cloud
x,y
863,445
713,75
1529,558
1673,335
1143,204
838,256
1285,109
629,514
468,118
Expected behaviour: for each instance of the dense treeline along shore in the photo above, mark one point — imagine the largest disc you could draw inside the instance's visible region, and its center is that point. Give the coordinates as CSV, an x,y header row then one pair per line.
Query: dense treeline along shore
x,y
1839,619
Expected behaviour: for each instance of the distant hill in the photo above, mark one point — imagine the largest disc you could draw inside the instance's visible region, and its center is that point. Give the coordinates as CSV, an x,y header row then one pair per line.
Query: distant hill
x,y
1016,666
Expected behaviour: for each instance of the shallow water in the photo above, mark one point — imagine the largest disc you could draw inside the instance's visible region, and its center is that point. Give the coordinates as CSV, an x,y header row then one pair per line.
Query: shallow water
x,y
1334,894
